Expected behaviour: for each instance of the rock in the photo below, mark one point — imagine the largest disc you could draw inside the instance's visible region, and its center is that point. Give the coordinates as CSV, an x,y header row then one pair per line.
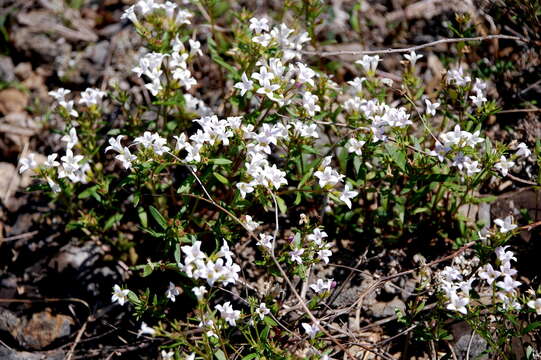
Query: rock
x,y
40,331
75,257
384,309
9,181
7,70
12,101
462,333
10,354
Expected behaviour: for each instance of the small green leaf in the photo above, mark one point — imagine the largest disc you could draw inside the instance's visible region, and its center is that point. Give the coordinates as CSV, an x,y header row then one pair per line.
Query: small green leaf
x,y
221,161
177,253
250,357
220,355
281,205
221,178
142,216
158,217
112,221
147,270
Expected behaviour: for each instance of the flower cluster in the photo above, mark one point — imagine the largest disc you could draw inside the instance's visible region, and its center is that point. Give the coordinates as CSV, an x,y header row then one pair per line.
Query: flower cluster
x,y
219,268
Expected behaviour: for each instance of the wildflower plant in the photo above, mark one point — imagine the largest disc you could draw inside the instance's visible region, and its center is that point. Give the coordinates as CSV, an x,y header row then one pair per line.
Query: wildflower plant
x,y
287,161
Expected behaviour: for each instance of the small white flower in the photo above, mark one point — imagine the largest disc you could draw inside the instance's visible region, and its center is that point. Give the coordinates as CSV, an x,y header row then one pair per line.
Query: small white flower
x,y
28,163
489,274
228,314
115,144
503,255
522,150
355,146
120,295
310,329
412,57
250,224
68,105
145,330
168,355
478,99
317,236
192,355
536,305
506,224
431,107
59,94
91,96
324,254
458,303
259,25
54,186
262,310
265,241
504,165
195,47
328,176
244,85
508,284
199,292
296,255
172,292
244,188
71,138
369,63
321,285
347,195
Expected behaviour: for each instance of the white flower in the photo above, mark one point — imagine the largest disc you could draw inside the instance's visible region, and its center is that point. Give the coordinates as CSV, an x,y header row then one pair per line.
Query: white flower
x,y
259,25
263,39
296,255
146,330
172,292
119,295
192,355
328,176
355,146
507,270
311,330
309,103
305,74
508,284
321,285
244,85
412,57
59,94
504,165
536,305
168,355
506,224
348,194
195,47
457,76
265,241
68,105
126,158
324,254
54,186
503,255
91,96
369,63
489,274
478,99
71,138
244,188
431,107
522,150
262,310
317,236
199,292
357,83
228,313
458,303
115,144
70,162
28,163
250,224
129,13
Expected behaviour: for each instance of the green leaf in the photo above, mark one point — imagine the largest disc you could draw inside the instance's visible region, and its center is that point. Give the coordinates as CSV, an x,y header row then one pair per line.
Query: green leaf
x,y
142,216
177,253
147,270
531,327
220,355
113,220
221,178
158,217
250,357
281,205
269,321
221,161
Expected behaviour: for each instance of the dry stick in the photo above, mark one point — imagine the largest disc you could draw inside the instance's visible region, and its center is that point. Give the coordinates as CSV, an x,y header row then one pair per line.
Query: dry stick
x,y
383,280
413,48
292,287
469,345
77,340
517,179
18,237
